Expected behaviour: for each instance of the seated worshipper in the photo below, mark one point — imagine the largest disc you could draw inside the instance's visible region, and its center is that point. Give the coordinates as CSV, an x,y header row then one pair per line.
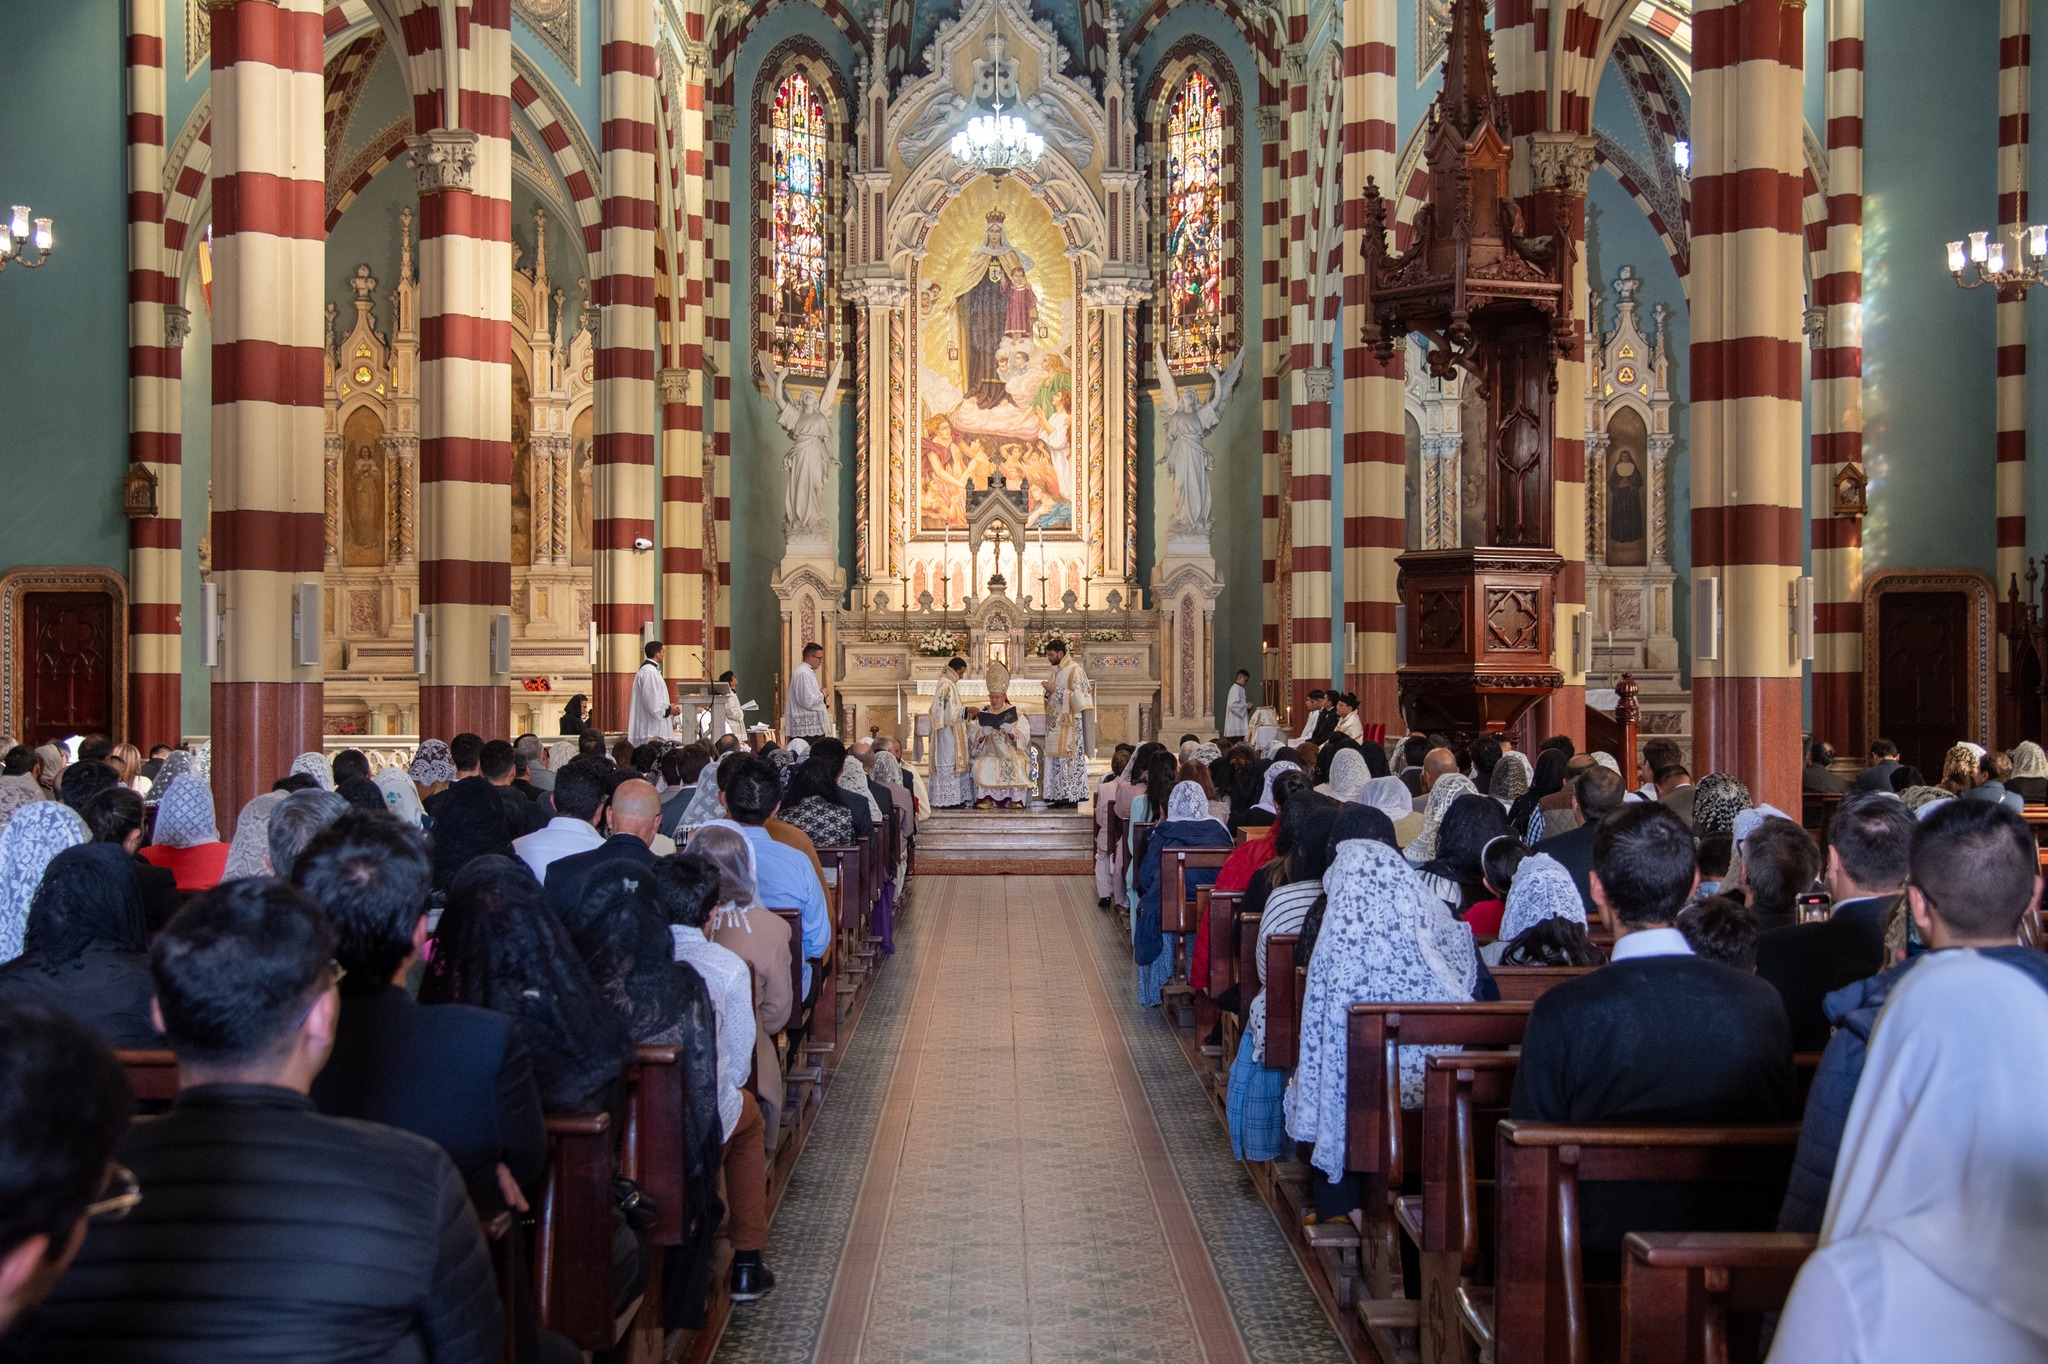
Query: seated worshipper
x,y
856,782
1197,771
115,817
1959,768
582,788
676,779
1974,873
1657,1036
812,804
1906,777
296,819
1158,776
622,930
126,760
1935,1230
362,794
1884,760
2029,772
761,938
465,755
86,950
1869,841
1000,739
498,765
64,1104
1348,777
350,763
1777,862
1596,794
1105,851
785,878
1452,872
1188,824
185,839
316,766
1715,804
1511,778
1818,775
1716,855
1264,811
1558,812
1292,883
1486,751
830,754
84,780
31,840
1442,792
1545,921
1240,870
537,773
634,818
1499,862
469,823
1122,797
575,716
704,804
50,765
455,1074
1720,928
432,770
1383,937
1994,772
1326,753
688,889
401,796
885,774
267,1230
1389,795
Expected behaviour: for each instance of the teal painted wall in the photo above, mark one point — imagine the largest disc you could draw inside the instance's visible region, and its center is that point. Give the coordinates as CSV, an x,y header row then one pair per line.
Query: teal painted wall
x,y
63,328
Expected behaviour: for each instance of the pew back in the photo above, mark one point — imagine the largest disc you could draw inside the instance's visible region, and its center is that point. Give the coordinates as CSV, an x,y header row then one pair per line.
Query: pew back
x,y
1680,1288
152,1074
1283,1000
573,1257
1378,1136
1527,983
1219,908
652,1150
1177,912
795,919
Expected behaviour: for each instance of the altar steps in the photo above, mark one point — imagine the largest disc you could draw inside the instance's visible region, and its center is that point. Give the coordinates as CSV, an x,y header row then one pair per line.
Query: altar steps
x,y
1007,843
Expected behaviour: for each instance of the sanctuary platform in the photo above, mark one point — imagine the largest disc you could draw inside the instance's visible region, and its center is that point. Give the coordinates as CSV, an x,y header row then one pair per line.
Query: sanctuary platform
x,y
1007,843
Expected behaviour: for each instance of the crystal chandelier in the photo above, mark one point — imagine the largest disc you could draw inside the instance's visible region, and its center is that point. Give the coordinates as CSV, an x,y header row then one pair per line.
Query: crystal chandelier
x,y
1987,253
996,143
18,240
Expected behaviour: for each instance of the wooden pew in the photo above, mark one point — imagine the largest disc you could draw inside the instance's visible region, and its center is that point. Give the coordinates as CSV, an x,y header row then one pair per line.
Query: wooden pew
x,y
1178,912
651,1154
1465,1096
1817,812
843,867
152,1074
573,1284
1527,983
503,1247
1284,983
1219,908
1541,1307
1679,1290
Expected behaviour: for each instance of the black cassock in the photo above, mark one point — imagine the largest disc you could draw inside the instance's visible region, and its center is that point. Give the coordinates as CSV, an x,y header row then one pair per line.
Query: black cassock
x,y
982,312
1625,514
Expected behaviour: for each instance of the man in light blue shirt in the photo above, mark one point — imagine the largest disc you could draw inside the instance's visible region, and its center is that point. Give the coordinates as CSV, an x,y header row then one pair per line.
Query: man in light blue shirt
x,y
783,875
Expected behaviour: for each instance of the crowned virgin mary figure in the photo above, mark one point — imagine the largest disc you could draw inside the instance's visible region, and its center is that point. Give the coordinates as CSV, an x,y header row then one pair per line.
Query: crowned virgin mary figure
x,y
994,300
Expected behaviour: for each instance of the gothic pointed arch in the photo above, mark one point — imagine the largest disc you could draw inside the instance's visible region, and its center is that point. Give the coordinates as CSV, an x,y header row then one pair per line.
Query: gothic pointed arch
x,y
1192,117
800,127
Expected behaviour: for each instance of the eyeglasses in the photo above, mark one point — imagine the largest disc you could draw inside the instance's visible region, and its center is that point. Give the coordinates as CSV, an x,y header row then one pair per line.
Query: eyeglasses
x,y
336,974
114,1207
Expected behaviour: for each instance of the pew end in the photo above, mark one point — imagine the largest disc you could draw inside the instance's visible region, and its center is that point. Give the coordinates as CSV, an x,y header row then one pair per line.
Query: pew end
x,y
1679,1290
573,1281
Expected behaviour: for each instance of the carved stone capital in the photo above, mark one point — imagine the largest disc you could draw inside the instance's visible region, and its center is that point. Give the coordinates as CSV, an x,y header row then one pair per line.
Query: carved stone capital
x,y
177,325
720,121
696,57
877,293
1814,322
675,385
1272,122
444,159
1116,293
1561,161
1317,381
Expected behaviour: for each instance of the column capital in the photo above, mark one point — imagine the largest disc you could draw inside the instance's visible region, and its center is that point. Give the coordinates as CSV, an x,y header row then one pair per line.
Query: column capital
x,y
1317,382
1561,162
444,159
675,385
177,325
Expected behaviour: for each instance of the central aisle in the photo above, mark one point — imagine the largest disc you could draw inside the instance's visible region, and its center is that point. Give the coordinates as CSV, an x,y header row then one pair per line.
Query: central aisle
x,y
1015,1163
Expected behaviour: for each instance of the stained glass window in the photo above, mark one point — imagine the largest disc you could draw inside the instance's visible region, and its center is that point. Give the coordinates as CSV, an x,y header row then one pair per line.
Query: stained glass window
x,y
1194,225
797,127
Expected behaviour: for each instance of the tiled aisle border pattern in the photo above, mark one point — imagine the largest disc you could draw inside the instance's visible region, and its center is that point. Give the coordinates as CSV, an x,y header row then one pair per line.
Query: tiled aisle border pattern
x,y
1277,1316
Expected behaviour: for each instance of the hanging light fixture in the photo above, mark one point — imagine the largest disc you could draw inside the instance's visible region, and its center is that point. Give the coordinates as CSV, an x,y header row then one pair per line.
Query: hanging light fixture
x,y
2027,267
997,143
18,239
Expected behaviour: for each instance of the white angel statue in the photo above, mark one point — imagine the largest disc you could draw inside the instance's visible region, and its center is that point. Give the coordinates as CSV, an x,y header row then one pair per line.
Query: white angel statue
x,y
1185,457
808,423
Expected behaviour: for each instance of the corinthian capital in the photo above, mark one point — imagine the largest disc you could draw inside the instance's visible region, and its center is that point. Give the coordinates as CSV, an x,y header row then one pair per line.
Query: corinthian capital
x,y
444,159
1560,162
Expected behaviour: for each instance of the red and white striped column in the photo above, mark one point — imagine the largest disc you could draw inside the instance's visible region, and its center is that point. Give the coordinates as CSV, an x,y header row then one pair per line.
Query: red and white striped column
x,y
464,163
156,335
1375,449
1836,393
718,333
1273,352
1309,559
1746,342
685,626
269,471
625,422
2015,67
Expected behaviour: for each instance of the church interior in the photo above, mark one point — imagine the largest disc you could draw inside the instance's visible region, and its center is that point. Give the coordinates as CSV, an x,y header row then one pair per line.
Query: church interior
x,y
380,373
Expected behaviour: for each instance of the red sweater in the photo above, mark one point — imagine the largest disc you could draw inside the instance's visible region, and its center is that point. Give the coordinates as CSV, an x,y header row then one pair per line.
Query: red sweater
x,y
196,868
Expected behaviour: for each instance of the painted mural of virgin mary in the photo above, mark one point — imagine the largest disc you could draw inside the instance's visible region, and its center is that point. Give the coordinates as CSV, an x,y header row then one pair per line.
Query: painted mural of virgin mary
x,y
993,303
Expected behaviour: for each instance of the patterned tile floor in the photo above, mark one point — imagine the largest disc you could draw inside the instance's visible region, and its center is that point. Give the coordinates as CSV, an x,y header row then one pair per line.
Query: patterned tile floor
x,y
1016,1164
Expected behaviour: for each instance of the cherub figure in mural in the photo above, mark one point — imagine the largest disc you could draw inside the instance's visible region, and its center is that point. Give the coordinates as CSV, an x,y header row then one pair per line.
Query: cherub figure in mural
x,y
993,302
1187,461
808,423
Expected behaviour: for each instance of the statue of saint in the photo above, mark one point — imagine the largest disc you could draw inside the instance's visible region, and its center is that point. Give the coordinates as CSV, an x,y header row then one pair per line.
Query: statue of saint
x,y
808,423
1186,459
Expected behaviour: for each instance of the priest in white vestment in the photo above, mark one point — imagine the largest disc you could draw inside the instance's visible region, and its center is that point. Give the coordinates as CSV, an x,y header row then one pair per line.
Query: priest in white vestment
x,y
950,783
809,717
652,713
1069,695
1002,748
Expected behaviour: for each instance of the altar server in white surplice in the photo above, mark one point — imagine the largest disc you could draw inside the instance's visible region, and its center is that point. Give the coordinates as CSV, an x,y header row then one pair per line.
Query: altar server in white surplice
x,y
950,783
652,713
809,717
1237,712
1068,697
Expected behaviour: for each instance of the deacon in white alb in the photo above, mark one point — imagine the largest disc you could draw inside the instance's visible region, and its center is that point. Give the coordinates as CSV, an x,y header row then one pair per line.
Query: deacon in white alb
x,y
950,783
1068,697
1237,712
727,716
652,711
809,716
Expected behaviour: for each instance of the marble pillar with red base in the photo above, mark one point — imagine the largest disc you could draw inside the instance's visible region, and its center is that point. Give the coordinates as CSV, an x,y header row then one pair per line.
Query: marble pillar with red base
x,y
258,728
1749,727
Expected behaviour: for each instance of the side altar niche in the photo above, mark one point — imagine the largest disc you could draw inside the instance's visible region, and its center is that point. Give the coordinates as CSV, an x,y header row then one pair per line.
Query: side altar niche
x,y
994,379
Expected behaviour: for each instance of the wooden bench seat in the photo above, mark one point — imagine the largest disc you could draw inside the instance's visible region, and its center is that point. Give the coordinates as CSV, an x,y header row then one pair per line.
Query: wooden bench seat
x,y
1527,983
1680,1289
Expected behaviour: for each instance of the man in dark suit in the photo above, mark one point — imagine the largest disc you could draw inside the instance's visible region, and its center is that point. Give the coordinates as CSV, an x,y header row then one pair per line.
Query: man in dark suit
x,y
1326,719
1884,760
1597,792
455,1075
266,1227
1869,841
634,819
1658,1036
1818,775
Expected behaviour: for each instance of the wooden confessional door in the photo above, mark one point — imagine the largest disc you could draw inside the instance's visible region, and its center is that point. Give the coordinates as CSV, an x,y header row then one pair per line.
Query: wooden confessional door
x,y
68,665
1923,671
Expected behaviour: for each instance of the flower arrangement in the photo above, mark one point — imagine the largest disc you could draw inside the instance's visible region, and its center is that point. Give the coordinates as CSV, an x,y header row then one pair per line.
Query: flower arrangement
x,y
938,643
535,684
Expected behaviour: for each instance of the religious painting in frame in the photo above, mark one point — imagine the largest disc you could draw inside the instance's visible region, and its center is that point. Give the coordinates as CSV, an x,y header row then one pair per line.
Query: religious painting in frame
x,y
997,309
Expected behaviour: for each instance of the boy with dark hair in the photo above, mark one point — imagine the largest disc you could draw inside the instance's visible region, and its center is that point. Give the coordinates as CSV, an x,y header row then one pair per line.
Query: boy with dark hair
x,y
1720,928
84,780
287,1234
351,762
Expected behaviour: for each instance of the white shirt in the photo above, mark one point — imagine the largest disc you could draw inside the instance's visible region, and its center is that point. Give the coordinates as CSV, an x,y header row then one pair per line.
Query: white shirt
x,y
1866,1300
808,714
731,983
562,836
648,718
1650,942
1237,713
731,719
1308,724
1353,727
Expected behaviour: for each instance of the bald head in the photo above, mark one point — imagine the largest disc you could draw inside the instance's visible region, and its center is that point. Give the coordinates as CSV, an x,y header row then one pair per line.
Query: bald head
x,y
636,810
1438,762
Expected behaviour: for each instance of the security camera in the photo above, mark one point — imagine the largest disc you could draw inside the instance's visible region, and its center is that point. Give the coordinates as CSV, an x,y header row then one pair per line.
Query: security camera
x,y
642,542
